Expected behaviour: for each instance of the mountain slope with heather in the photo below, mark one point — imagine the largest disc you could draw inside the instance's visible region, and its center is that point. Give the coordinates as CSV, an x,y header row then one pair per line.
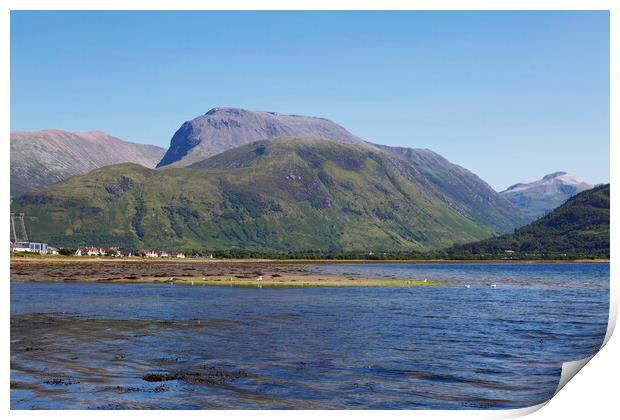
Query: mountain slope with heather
x,y
223,129
42,158
462,186
538,198
282,194
578,228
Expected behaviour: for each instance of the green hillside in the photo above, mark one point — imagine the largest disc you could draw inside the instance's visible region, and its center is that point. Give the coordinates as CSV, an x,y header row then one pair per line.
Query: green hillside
x,y
578,228
464,187
283,194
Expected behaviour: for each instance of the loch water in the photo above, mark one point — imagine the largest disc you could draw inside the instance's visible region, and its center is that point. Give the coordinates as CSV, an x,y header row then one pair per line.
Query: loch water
x,y
148,346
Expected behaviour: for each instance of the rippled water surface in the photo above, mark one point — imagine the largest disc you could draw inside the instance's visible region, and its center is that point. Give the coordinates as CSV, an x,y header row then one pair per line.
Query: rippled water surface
x,y
161,346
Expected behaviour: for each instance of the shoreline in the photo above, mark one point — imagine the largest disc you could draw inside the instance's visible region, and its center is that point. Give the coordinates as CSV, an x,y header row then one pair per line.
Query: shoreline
x,y
192,272
139,260
280,282
214,272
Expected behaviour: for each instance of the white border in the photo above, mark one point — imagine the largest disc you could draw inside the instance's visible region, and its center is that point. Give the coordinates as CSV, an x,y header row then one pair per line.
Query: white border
x,y
594,393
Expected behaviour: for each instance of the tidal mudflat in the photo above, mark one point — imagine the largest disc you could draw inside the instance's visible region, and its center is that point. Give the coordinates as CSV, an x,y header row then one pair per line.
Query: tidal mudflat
x,y
261,273
169,346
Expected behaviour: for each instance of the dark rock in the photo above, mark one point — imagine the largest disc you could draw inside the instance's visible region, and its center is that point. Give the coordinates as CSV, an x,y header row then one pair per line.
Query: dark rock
x,y
222,129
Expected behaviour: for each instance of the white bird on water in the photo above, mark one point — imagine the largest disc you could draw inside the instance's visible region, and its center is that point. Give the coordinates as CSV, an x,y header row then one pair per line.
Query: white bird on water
x,y
494,286
467,286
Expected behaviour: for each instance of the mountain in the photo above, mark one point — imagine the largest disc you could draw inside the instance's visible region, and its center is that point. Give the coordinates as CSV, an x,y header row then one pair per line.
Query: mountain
x,y
579,227
280,194
540,197
42,158
479,200
223,129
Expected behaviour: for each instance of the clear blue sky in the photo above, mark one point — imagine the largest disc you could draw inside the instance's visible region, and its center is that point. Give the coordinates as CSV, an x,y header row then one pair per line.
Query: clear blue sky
x,y
511,96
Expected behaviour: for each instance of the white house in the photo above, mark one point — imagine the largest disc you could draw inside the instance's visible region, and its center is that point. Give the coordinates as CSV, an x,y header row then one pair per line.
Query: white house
x,y
89,250
38,247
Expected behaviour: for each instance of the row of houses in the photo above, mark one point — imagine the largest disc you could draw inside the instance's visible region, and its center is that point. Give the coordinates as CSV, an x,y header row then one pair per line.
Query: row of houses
x,y
94,251
118,252
153,253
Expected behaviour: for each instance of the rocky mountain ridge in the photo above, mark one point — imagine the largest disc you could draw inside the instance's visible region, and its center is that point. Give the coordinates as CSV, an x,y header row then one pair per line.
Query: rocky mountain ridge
x,y
223,129
540,197
42,158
